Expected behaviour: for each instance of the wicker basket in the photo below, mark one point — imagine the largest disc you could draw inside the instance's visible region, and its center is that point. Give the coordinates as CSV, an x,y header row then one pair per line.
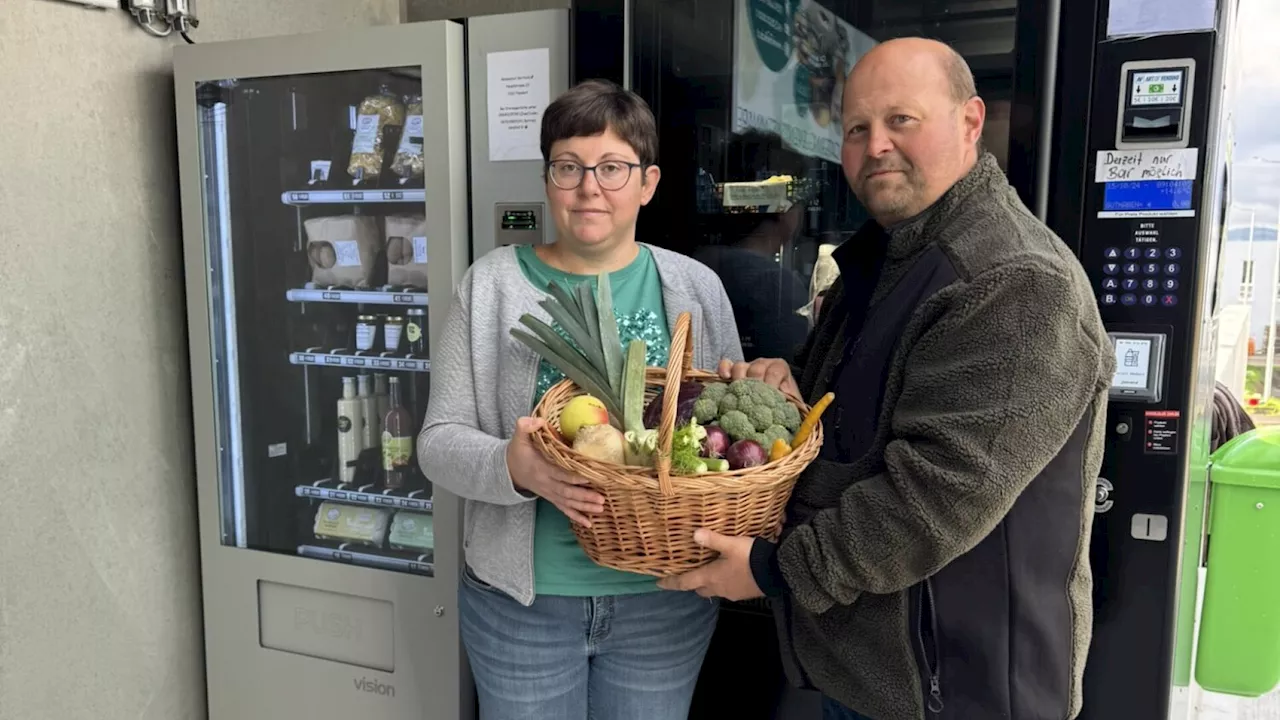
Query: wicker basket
x,y
649,515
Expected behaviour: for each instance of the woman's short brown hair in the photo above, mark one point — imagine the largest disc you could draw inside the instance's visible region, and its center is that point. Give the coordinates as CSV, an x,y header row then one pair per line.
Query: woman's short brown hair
x,y
591,107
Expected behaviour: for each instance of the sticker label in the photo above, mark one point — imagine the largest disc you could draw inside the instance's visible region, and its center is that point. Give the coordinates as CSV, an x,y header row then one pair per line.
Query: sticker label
x,y
1131,165
411,140
1161,87
1161,432
420,250
347,252
366,134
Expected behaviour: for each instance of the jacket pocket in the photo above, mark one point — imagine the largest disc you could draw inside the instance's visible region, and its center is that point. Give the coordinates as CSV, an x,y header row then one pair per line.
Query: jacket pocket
x,y
927,645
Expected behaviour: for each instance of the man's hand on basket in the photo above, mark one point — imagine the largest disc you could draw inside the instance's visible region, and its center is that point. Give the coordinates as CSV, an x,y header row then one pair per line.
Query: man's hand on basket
x,y
727,577
531,472
774,371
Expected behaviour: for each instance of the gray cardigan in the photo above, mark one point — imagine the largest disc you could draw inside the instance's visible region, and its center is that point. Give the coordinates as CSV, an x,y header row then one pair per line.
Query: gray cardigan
x,y
482,381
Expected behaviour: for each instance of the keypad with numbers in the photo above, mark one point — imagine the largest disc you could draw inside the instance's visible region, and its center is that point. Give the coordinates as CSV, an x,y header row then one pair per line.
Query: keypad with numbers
x,y
1141,275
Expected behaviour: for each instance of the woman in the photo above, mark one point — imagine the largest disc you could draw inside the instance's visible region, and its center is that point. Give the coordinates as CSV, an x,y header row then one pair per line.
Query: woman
x,y
549,633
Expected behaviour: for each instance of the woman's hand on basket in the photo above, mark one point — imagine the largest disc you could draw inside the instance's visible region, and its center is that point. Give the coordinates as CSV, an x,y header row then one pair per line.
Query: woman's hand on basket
x,y
773,371
531,472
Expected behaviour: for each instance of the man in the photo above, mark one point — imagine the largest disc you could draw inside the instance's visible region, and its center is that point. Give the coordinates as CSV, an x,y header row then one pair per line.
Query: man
x,y
934,563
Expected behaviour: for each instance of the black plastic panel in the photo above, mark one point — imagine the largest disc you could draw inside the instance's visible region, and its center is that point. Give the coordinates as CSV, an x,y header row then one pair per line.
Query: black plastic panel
x,y
1129,673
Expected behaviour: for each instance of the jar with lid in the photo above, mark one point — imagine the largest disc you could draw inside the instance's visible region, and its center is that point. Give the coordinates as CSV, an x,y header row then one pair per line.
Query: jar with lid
x,y
415,331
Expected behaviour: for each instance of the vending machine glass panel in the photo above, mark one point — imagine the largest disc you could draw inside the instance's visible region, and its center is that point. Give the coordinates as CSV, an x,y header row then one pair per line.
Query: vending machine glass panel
x,y
317,252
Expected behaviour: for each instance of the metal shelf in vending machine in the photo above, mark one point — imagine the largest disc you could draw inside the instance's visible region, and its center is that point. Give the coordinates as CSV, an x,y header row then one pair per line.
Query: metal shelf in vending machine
x,y
324,183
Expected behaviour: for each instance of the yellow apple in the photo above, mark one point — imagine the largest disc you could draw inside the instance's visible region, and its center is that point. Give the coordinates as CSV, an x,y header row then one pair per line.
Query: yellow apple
x,y
581,411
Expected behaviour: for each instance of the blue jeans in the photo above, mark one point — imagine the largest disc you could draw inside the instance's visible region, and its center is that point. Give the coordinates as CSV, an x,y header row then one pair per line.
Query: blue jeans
x,y
832,710
626,657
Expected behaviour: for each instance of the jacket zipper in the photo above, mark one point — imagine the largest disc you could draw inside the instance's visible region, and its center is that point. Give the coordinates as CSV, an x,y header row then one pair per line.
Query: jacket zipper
x,y
932,667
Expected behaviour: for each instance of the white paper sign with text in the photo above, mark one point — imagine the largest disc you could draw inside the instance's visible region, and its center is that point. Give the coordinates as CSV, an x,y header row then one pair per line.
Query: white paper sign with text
x,y
1134,165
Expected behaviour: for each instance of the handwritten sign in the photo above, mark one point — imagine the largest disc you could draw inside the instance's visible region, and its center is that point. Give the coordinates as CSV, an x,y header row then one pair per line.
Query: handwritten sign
x,y
1134,165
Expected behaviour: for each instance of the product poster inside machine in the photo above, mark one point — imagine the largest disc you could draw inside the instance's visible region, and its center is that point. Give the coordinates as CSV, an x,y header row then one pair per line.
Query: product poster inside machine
x,y
791,58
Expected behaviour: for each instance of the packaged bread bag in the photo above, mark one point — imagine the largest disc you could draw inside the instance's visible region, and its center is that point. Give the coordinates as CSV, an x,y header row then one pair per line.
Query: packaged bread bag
x,y
343,250
375,118
408,161
407,250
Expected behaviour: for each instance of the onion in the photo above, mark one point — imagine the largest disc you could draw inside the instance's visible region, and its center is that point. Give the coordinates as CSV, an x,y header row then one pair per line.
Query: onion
x,y
745,454
716,443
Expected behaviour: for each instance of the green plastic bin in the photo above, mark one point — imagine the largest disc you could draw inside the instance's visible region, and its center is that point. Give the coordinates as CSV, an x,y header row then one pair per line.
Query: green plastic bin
x,y
1239,648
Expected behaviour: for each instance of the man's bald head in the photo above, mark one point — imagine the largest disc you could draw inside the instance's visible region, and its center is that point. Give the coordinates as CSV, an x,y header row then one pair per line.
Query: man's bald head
x,y
912,121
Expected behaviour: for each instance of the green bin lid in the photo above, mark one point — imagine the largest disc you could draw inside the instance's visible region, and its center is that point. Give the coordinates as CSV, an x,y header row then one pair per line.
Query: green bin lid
x,y
1250,459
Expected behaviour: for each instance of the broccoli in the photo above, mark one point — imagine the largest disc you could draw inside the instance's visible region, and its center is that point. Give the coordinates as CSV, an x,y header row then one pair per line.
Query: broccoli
x,y
756,392
748,409
706,409
761,417
728,404
714,392
775,432
788,416
737,424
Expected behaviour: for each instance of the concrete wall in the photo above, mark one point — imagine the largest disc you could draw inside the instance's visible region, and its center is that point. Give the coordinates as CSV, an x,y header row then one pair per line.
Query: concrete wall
x,y
99,594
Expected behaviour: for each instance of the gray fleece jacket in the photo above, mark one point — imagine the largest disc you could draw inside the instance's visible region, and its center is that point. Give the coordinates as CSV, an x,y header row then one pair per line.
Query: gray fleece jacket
x,y
482,381
936,558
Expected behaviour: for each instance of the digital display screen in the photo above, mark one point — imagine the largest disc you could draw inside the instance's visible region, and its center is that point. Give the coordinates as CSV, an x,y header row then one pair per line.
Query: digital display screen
x,y
1133,364
1157,87
1147,195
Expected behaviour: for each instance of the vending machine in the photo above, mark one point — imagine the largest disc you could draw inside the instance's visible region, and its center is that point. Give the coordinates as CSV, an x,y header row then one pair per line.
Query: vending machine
x,y
325,222
1106,116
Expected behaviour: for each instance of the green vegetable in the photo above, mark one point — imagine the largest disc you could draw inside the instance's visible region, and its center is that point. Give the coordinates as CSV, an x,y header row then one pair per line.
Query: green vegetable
x,y
738,425
774,432
610,344
592,357
633,386
641,447
705,410
761,417
686,443
788,417
714,391
573,365
748,409
716,464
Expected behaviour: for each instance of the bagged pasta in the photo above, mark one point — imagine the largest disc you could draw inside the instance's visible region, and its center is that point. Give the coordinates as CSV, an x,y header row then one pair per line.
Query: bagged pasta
x,y
407,250
408,162
343,250
375,116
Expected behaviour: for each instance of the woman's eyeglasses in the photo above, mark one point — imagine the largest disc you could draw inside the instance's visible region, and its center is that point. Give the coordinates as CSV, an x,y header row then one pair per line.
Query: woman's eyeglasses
x,y
610,174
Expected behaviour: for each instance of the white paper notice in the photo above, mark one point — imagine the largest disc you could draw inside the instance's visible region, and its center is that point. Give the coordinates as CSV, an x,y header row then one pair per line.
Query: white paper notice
x,y
519,90
420,249
1151,17
1132,165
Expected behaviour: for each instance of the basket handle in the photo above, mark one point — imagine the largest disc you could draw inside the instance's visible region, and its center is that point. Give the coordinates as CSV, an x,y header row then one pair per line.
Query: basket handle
x,y
679,363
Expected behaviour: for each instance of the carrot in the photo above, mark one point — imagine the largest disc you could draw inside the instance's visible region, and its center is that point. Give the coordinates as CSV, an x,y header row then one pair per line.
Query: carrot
x,y
779,450
811,420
